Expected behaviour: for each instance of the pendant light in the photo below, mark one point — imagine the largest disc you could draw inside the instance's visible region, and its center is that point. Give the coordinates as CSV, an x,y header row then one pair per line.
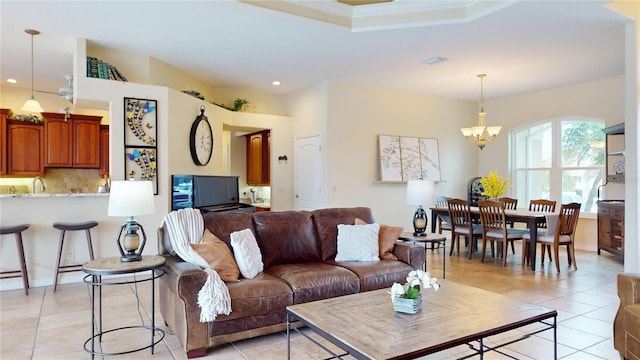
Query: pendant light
x,y
32,105
481,134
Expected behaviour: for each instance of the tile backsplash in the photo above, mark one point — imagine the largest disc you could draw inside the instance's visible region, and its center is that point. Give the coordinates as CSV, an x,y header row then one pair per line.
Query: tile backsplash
x,y
57,181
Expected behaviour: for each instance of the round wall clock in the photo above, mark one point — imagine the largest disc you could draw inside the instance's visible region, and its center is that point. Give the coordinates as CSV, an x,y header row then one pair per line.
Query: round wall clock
x,y
201,140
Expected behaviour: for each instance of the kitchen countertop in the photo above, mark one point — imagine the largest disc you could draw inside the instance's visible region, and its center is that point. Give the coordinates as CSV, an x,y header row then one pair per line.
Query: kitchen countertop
x,y
46,195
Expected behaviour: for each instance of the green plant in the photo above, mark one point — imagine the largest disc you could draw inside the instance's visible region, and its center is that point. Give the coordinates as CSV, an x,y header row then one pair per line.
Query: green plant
x,y
238,104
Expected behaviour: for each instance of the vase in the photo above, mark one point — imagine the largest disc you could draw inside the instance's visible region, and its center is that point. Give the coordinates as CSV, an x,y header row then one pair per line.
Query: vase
x,y
407,306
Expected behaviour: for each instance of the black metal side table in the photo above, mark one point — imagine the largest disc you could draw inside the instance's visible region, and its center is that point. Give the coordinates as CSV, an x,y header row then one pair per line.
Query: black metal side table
x,y
428,238
113,266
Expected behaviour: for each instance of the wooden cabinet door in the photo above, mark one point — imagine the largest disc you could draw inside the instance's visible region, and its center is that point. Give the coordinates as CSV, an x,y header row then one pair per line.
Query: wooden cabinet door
x,y
4,114
25,150
86,144
254,159
104,150
72,142
58,134
258,145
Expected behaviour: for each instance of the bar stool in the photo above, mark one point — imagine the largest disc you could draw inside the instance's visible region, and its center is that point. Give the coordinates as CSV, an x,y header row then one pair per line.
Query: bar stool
x,y
17,230
64,227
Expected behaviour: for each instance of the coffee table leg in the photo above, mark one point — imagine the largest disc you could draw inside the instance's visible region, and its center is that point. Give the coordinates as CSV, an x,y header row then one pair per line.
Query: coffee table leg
x,y
288,338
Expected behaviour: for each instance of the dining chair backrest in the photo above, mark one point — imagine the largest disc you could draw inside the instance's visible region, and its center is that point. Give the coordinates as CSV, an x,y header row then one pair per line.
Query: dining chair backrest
x,y
509,203
568,220
542,205
459,213
441,201
492,216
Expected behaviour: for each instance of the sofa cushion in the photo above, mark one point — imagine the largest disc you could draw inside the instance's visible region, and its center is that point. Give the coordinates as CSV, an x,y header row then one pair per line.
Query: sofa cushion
x,y
327,220
286,237
222,224
387,238
376,275
316,281
358,242
218,255
261,295
247,253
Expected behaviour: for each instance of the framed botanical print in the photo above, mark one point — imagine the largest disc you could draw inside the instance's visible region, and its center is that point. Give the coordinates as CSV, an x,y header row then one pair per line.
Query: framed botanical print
x,y
404,158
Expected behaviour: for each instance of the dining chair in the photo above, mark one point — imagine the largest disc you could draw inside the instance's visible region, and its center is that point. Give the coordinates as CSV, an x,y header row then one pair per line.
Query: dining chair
x,y
444,223
461,225
510,204
538,205
495,227
561,230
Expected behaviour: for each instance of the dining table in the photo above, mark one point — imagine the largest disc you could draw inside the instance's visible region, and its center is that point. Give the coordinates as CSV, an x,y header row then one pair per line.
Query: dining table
x,y
530,218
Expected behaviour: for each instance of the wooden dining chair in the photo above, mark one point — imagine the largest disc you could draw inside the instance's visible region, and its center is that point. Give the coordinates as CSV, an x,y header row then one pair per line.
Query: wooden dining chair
x,y
562,233
510,204
444,223
495,227
461,225
538,205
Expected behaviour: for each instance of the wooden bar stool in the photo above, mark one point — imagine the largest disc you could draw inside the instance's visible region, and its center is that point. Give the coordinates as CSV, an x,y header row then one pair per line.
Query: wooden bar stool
x,y
64,227
17,230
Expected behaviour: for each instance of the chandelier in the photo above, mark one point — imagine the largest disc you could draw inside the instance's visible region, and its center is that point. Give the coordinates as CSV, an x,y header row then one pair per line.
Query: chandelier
x,y
481,134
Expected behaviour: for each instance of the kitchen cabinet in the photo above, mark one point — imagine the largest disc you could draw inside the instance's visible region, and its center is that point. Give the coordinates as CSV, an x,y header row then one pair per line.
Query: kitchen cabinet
x,y
258,163
104,150
25,150
611,226
614,153
4,114
72,142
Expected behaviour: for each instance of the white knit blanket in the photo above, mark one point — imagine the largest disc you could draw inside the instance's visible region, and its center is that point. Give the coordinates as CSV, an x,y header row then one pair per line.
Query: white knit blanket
x,y
187,226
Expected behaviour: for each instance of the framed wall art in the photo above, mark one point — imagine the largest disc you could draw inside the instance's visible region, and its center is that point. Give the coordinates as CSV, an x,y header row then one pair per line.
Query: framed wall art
x,y
404,158
140,140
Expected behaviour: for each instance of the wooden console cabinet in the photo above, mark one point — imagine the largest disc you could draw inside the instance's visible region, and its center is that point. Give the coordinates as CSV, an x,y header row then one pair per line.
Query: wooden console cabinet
x,y
611,226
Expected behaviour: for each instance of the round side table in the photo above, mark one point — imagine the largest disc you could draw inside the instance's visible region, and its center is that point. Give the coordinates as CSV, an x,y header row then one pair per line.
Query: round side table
x,y
96,269
428,238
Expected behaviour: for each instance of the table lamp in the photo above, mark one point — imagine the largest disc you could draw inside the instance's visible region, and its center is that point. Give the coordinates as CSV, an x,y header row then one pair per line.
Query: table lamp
x,y
419,192
131,198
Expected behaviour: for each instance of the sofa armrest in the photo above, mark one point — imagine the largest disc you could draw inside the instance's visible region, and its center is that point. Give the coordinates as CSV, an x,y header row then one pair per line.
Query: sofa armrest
x,y
179,307
628,293
410,253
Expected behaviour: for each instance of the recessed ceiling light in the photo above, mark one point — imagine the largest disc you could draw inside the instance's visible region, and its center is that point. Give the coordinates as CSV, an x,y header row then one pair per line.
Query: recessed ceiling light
x,y
435,60
276,83
13,81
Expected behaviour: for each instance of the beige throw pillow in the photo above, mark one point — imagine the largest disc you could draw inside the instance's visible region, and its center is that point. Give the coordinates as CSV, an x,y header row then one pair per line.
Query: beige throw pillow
x,y
218,255
386,239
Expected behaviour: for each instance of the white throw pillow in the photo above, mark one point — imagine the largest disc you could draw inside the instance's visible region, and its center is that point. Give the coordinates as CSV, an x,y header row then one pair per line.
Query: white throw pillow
x,y
247,253
358,242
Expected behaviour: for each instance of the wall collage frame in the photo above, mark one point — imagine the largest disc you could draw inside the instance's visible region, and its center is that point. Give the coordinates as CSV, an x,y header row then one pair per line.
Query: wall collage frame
x,y
140,140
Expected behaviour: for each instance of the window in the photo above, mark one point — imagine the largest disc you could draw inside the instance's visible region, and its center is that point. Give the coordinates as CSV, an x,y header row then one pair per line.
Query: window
x,y
558,159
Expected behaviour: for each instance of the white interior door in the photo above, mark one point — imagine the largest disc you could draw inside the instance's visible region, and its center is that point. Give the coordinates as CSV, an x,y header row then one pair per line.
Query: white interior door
x,y
308,181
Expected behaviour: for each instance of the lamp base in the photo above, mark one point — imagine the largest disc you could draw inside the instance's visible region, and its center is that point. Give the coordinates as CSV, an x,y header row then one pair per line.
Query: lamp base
x,y
419,233
131,257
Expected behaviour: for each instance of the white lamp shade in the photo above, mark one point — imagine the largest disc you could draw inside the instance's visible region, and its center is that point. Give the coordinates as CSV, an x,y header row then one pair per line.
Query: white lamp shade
x,y
493,130
131,198
466,131
32,105
420,192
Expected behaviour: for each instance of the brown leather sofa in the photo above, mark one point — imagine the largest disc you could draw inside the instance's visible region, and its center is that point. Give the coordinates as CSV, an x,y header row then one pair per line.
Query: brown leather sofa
x,y
298,250
626,326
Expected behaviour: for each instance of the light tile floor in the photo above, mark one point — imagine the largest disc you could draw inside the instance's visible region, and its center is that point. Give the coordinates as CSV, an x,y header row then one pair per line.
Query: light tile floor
x,y
48,325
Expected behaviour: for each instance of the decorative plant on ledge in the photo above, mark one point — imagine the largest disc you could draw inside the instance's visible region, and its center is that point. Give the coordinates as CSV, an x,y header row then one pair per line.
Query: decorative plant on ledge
x,y
238,104
494,186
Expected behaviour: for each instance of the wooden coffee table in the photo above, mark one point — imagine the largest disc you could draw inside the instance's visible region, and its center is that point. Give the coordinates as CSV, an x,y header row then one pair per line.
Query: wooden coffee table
x,y
365,325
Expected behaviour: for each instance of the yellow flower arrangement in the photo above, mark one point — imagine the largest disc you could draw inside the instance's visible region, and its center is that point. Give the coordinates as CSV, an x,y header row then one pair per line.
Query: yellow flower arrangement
x,y
494,185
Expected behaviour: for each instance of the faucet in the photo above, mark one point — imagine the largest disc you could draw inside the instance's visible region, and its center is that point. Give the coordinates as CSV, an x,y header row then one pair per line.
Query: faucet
x,y
33,186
